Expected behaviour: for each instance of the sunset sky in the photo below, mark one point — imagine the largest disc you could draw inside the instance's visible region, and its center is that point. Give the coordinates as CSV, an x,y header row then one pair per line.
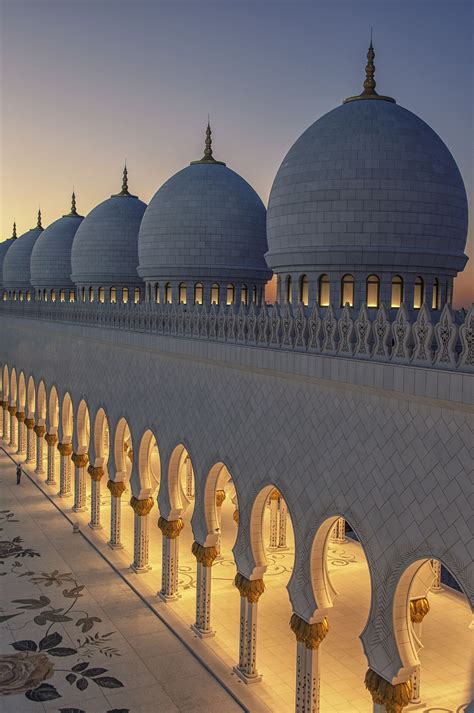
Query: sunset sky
x,y
88,83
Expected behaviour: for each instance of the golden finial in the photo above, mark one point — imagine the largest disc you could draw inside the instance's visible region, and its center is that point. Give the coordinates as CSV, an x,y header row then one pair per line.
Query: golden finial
x,y
73,203
369,82
14,235
208,157
38,224
124,191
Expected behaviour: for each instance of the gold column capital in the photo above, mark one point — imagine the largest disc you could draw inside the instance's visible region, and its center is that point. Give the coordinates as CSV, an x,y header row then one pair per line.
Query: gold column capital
x,y
20,416
275,494
116,488
204,555
393,697
170,528
235,516
12,410
40,431
5,405
65,449
141,507
80,460
30,423
252,589
220,497
311,635
51,439
419,608
95,472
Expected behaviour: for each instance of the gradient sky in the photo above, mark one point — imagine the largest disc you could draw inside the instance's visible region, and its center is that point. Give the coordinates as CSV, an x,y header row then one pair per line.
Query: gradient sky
x,y
86,83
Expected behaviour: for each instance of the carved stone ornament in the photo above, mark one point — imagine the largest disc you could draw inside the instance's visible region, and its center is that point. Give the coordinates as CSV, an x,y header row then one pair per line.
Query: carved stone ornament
x,y
30,423
466,334
80,460
95,472
65,449
252,589
116,488
419,608
204,555
40,431
393,697
311,635
220,497
141,507
20,416
170,528
12,410
51,438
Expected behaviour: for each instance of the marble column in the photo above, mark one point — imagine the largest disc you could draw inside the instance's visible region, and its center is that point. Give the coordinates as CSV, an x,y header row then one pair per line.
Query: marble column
x,y
235,516
387,697
39,432
1,417
220,497
170,558
80,461
419,608
205,557
30,440
20,416
96,473
282,526
436,567
250,591
338,534
116,490
141,535
308,661
51,440
274,495
65,450
6,421
189,479
12,424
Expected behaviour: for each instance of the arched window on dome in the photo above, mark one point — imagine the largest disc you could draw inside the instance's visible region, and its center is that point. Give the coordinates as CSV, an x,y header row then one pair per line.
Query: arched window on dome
x,y
53,295
4,296
168,294
125,295
148,292
157,293
182,293
435,296
418,293
20,295
101,294
136,296
449,292
373,291
254,294
72,296
347,290
83,294
198,293
230,294
113,295
304,290
214,294
324,290
244,294
45,295
62,296
397,292
91,294
288,287
28,296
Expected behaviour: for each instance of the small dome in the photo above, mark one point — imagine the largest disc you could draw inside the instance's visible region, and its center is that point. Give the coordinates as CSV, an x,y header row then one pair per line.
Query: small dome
x,y
16,263
206,221
51,256
4,246
105,247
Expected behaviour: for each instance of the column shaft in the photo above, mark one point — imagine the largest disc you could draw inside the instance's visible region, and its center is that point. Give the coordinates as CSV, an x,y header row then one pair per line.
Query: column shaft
x,y
30,445
79,489
203,600
141,539
273,522
169,572
6,424
282,525
307,679
94,523
13,431
39,455
65,477
115,523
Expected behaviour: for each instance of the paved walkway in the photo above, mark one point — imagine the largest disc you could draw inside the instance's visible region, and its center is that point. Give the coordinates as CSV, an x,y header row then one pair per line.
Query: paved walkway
x,y
72,633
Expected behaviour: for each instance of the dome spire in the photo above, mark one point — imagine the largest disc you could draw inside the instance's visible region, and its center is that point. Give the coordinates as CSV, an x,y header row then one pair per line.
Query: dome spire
x,y
73,213
369,81
14,235
124,191
208,157
38,224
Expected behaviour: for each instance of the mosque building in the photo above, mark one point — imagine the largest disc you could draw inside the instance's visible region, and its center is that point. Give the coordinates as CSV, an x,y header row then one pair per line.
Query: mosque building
x,y
292,478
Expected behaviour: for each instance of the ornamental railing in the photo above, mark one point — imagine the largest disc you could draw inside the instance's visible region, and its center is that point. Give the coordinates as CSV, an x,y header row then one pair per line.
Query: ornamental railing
x,y
447,344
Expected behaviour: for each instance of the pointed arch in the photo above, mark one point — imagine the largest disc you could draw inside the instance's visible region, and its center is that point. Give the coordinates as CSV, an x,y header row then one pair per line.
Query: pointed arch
x,y
31,397
123,450
41,403
5,383
175,464
21,391
83,426
53,410
13,386
67,419
149,464
101,438
217,477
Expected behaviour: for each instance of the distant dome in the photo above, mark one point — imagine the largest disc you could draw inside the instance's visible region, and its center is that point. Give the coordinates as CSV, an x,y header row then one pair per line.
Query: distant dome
x,y
51,256
105,247
16,263
4,246
205,222
368,186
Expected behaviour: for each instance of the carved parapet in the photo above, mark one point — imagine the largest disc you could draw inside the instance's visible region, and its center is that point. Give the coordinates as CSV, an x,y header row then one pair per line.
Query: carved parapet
x,y
30,423
95,472
311,635
80,460
170,528
419,608
204,555
235,516
40,431
51,438
65,449
20,416
220,497
141,507
252,589
393,697
12,410
116,488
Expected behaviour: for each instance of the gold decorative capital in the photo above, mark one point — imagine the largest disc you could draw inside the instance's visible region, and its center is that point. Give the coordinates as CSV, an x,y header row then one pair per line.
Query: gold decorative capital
x,y
220,497
95,472
65,449
40,431
80,460
30,423
252,589
311,635
419,608
20,416
204,555
393,697
12,410
5,405
170,528
116,488
51,438
274,495
235,516
141,507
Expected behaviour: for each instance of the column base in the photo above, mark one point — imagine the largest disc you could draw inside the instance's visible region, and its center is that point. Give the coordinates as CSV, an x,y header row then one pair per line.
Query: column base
x,y
337,542
436,590
64,495
245,677
28,461
202,634
40,472
273,549
115,546
140,570
168,597
94,527
82,509
283,548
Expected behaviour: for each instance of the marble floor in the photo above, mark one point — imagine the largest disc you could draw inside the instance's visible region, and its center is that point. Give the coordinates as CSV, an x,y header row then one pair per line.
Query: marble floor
x,y
445,660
